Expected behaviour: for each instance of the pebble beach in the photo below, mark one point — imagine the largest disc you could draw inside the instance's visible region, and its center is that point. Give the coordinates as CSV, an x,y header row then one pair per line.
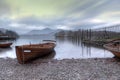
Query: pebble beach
x,y
66,69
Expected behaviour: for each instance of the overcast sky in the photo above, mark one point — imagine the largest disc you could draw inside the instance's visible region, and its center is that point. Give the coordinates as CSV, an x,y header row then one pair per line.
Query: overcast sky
x,y
24,15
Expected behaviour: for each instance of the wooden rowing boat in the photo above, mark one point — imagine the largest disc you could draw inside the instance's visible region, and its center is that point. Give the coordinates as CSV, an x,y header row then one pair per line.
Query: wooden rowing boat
x,y
114,47
26,53
5,45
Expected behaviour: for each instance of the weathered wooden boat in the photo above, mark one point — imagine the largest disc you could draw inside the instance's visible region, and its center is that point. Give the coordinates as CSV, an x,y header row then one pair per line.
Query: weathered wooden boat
x,y
5,44
114,47
26,53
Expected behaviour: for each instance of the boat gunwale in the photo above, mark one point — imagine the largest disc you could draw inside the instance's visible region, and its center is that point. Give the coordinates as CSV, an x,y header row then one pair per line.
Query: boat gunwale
x,y
44,45
108,47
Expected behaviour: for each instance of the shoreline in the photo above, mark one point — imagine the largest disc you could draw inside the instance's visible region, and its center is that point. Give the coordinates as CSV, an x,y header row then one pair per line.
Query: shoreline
x,y
66,69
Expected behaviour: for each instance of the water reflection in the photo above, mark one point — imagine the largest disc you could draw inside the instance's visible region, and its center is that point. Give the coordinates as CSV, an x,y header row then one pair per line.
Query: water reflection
x,y
7,52
5,49
73,48
67,47
75,42
50,56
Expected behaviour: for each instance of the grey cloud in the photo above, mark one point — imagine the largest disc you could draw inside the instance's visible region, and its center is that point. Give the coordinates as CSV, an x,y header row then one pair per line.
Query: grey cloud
x,y
25,24
92,8
31,20
35,21
4,8
4,22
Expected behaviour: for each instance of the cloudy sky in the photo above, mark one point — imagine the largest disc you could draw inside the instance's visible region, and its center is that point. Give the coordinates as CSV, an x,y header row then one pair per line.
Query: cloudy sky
x,y
25,15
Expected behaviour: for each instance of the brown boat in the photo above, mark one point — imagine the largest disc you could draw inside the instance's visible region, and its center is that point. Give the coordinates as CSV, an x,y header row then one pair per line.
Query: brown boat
x,y
26,53
114,47
5,45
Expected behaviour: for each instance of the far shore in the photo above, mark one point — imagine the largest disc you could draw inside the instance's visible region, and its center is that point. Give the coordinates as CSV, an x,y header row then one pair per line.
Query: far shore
x,y
66,69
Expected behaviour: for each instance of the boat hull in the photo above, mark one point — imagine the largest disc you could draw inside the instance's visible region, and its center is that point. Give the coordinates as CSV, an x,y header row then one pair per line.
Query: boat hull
x,y
5,45
31,52
113,48
117,54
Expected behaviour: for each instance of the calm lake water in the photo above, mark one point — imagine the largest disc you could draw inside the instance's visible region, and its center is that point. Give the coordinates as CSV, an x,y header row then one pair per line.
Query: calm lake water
x,y
66,48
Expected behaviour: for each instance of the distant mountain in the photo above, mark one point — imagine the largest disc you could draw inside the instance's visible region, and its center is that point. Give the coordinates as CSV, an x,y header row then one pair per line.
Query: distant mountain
x,y
46,31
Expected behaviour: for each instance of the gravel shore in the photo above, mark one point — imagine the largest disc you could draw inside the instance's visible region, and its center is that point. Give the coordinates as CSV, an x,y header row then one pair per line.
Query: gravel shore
x,y
67,69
